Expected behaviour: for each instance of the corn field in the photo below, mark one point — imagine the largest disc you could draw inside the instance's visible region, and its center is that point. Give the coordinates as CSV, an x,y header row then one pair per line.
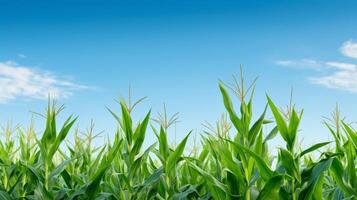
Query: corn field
x,y
232,160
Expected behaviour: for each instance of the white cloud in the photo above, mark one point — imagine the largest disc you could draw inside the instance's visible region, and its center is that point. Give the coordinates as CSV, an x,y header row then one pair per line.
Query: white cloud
x,y
349,49
26,82
316,65
332,74
304,63
342,80
342,66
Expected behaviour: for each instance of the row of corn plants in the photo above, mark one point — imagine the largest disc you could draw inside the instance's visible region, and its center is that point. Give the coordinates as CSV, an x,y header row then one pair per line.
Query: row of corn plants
x,y
232,162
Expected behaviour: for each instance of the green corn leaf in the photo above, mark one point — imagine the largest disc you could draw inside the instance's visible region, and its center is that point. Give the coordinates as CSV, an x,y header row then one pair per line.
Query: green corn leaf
x,y
337,170
351,133
116,117
271,134
60,168
4,195
61,136
289,163
253,132
154,177
271,188
222,188
176,155
126,123
67,178
264,169
281,124
78,192
229,107
228,162
139,161
313,148
316,173
92,188
38,175
186,192
293,127
163,144
351,166
139,136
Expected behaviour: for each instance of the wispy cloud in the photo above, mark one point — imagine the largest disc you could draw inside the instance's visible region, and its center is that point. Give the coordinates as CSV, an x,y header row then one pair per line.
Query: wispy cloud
x,y
332,74
22,81
342,66
342,80
304,63
349,49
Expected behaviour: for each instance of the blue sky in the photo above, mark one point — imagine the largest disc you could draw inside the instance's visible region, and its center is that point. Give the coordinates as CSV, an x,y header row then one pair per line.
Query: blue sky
x,y
89,52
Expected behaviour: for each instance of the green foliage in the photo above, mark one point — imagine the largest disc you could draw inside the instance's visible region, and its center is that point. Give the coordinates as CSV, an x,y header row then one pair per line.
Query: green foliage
x,y
233,161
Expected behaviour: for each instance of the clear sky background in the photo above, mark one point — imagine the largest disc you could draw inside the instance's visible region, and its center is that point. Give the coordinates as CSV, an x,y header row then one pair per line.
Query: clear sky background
x,y
89,52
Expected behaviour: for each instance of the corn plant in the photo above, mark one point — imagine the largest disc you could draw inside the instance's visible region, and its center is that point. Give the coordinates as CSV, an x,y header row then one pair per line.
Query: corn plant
x,y
232,160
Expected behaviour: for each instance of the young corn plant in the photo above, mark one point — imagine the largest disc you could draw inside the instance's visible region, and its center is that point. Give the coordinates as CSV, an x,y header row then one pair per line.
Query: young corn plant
x,y
165,181
300,183
342,180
